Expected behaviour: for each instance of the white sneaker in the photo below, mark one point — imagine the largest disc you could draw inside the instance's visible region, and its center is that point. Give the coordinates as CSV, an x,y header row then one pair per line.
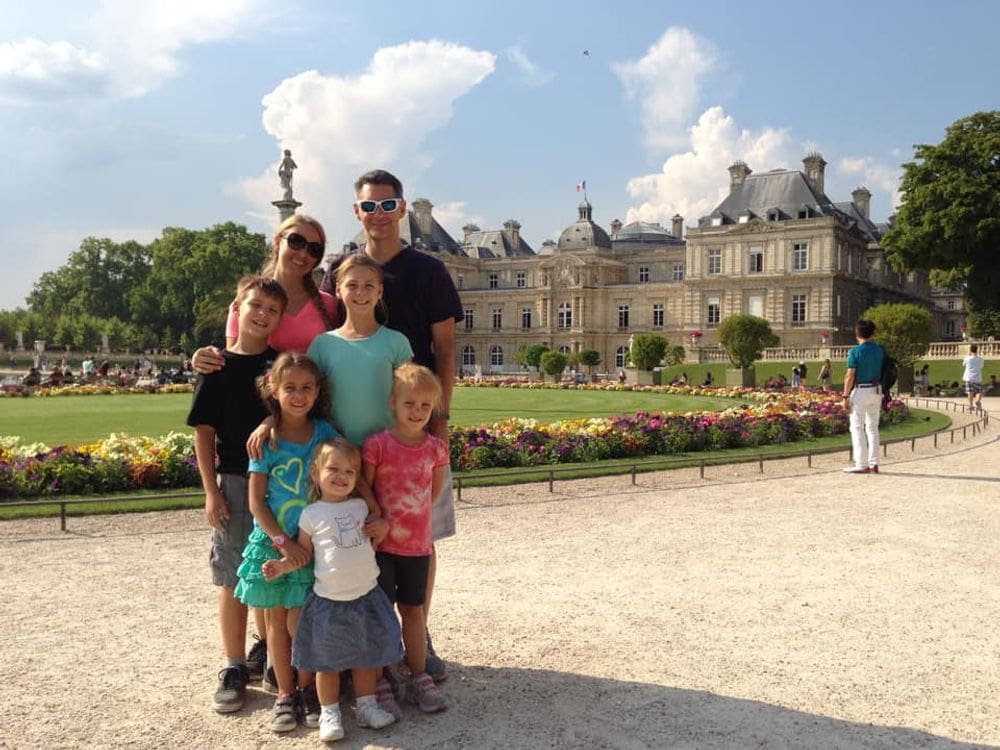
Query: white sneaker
x,y
331,727
373,716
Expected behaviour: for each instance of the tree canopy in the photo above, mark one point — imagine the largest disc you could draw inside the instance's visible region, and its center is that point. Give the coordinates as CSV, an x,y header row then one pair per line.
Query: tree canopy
x,y
553,363
744,337
903,330
949,220
647,350
530,355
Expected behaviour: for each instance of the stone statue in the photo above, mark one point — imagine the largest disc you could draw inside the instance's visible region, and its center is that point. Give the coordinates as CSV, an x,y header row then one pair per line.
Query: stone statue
x,y
288,165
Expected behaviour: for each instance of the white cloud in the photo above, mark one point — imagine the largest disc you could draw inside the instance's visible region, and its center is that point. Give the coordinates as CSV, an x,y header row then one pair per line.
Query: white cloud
x,y
135,46
340,126
531,74
874,174
666,84
35,69
453,216
694,182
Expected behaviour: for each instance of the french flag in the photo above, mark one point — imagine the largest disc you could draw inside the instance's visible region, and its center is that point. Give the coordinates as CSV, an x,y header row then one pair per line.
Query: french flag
x,y
580,186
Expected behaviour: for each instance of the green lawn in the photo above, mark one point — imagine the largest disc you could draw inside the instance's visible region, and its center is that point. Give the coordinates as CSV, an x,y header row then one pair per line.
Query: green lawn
x,y
80,419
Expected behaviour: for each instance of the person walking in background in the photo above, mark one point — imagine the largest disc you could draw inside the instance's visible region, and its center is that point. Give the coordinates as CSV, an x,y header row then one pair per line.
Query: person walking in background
x,y
863,398
973,377
826,375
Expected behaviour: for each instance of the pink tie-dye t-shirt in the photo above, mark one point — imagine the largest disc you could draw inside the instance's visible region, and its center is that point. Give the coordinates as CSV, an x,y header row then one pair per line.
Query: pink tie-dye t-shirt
x,y
403,477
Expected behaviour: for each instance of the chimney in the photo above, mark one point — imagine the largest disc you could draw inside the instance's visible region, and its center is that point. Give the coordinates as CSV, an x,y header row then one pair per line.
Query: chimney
x,y
815,165
467,230
862,198
616,226
513,231
422,211
678,221
738,172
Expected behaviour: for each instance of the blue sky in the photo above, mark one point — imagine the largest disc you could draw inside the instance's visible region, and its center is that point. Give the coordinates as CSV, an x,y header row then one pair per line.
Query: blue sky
x,y
122,117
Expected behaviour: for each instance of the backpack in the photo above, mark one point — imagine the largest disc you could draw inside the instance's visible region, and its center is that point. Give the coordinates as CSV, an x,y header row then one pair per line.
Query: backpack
x,y
887,378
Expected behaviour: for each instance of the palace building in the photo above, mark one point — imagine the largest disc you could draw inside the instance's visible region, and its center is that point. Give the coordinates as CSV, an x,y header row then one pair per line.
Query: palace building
x,y
777,246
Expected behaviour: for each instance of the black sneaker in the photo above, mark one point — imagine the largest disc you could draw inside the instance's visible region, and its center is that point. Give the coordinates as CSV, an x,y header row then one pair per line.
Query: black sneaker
x,y
257,658
308,705
232,691
269,682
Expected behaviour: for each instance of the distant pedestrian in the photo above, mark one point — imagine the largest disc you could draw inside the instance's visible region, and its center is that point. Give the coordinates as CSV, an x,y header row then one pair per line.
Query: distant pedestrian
x,y
826,375
973,377
863,398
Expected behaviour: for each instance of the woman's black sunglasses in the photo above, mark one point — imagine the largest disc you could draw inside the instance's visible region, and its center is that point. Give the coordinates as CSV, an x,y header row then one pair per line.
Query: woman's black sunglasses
x,y
297,242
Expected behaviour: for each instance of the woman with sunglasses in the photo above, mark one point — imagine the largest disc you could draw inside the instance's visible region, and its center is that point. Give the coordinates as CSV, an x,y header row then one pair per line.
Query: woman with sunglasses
x,y
299,245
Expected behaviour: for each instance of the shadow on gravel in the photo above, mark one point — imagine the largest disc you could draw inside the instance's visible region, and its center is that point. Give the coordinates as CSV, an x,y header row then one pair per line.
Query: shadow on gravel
x,y
533,709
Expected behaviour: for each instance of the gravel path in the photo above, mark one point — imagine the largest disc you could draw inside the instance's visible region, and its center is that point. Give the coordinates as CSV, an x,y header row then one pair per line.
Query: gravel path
x,y
801,608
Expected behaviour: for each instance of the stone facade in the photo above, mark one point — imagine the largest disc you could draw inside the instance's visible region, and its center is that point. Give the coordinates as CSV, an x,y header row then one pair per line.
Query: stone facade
x,y
777,247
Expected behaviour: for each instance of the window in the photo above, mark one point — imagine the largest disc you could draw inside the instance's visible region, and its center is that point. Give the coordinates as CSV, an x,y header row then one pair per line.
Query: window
x,y
468,356
714,313
678,272
620,356
756,260
755,305
951,304
563,349
470,317
496,356
850,262
840,254
798,309
716,221
494,281
623,316
949,328
564,317
714,262
838,306
525,317
461,281
658,316
643,274
497,318
521,279
800,256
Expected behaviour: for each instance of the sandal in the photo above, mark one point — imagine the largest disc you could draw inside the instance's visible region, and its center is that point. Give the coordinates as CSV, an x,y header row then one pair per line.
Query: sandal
x,y
283,717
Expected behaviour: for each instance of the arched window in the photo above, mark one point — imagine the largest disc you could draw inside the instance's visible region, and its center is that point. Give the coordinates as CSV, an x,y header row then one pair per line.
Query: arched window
x,y
469,355
564,350
620,356
496,356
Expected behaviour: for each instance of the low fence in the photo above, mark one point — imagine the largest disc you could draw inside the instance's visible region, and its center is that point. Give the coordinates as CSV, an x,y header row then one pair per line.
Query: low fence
x,y
633,468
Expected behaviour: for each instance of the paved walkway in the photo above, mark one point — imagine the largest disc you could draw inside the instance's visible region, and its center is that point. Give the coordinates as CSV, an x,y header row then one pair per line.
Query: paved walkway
x,y
801,608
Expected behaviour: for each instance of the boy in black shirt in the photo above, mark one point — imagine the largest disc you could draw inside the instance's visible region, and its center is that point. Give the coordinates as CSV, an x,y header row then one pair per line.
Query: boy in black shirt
x,y
225,410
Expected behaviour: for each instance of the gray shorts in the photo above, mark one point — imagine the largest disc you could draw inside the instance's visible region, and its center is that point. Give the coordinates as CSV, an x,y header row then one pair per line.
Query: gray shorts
x,y
973,388
226,553
443,511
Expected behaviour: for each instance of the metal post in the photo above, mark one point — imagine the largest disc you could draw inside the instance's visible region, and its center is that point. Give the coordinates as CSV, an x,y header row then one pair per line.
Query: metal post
x,y
459,481
552,478
62,516
809,460
701,470
633,474
913,445
760,463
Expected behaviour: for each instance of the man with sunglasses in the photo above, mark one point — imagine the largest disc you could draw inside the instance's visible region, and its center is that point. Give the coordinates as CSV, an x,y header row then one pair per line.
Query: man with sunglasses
x,y
424,305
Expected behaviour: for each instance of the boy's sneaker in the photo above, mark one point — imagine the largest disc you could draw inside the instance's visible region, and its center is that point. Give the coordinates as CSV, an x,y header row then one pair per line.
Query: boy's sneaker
x,y
283,715
386,700
269,682
425,694
435,665
373,716
309,707
331,727
257,658
232,691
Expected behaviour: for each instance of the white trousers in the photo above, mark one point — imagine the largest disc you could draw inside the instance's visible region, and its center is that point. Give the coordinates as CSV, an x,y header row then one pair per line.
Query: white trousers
x,y
866,406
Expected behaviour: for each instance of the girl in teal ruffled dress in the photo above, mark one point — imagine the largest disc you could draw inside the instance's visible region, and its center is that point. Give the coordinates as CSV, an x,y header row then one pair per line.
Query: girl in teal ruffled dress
x,y
296,393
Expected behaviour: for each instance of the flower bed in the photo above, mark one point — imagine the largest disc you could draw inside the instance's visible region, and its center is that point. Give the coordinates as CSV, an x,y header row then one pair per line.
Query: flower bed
x,y
95,389
123,463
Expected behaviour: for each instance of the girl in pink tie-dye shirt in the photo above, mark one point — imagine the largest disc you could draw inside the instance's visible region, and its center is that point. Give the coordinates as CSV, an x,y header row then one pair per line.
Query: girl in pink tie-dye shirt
x,y
406,467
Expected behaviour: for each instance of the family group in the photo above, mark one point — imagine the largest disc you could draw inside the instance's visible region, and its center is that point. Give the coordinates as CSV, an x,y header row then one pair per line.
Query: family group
x,y
321,438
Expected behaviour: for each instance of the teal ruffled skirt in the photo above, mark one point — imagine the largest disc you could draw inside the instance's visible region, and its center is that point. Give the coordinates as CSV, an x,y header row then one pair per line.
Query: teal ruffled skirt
x,y
288,591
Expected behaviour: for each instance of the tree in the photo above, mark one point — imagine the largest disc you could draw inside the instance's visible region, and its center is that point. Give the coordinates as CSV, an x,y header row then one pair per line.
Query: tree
x,y
744,337
530,355
553,363
984,323
590,358
647,350
950,216
675,355
904,331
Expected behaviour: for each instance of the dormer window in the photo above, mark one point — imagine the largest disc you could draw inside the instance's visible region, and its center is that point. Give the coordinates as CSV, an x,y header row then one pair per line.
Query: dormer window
x,y
716,221
743,219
